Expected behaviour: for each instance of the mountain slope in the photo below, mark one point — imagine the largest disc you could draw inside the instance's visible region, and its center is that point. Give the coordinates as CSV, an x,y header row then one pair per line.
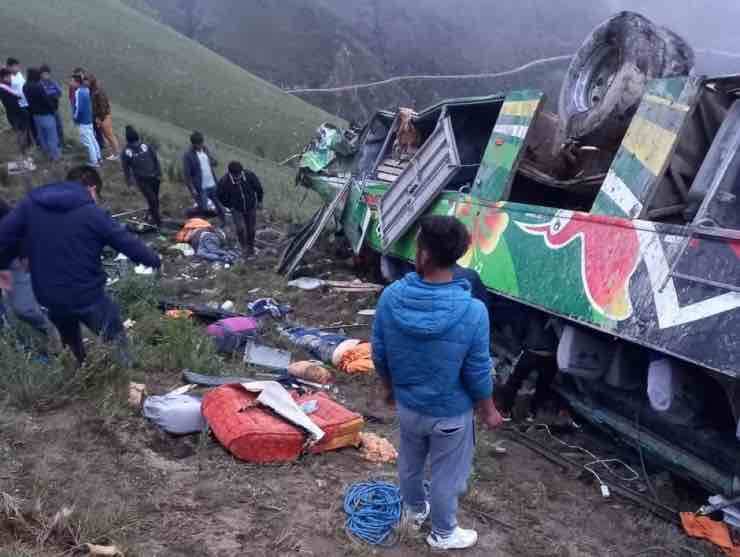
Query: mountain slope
x,y
153,70
325,43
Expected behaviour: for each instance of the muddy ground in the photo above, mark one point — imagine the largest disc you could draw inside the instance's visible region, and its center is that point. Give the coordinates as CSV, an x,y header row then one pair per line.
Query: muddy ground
x,y
158,495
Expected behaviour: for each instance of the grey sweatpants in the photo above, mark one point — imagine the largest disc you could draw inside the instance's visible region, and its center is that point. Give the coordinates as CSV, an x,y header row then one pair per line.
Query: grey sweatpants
x,y
449,443
23,304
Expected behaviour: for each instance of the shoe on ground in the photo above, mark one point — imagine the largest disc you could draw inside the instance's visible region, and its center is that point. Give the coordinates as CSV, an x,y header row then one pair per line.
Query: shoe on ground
x,y
505,415
459,539
112,158
416,520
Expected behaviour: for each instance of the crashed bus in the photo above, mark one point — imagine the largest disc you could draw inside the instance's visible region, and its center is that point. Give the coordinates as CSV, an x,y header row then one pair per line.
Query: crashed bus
x,y
617,218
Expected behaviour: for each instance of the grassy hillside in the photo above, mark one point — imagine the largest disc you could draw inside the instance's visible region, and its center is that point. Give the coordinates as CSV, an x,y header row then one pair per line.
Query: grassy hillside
x,y
283,200
149,68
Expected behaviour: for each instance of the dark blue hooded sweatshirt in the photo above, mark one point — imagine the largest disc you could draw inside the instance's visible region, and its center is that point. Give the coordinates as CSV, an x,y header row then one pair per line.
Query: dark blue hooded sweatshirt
x,y
433,342
63,233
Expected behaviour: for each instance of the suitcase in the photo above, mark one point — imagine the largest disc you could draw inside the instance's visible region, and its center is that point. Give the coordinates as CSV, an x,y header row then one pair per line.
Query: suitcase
x,y
256,434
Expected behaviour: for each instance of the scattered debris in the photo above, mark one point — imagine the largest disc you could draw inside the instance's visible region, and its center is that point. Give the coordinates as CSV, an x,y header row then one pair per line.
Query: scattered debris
x,y
178,313
306,238
705,528
143,270
373,511
265,356
232,334
307,283
358,359
377,449
175,412
228,305
356,286
255,434
366,312
136,394
129,324
15,168
265,306
103,550
183,248
311,371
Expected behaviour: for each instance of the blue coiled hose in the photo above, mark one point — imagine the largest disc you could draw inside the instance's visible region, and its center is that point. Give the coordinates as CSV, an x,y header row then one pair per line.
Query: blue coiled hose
x,y
373,510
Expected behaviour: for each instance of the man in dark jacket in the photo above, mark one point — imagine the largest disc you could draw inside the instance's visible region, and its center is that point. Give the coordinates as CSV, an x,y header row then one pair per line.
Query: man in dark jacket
x,y
199,176
18,116
42,108
141,165
241,191
63,232
54,92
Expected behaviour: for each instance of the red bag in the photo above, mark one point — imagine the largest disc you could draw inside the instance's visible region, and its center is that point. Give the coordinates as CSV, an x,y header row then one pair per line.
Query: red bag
x,y
256,434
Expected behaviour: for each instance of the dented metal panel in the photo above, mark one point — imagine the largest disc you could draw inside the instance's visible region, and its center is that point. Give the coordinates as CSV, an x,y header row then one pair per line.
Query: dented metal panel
x,y
647,147
431,169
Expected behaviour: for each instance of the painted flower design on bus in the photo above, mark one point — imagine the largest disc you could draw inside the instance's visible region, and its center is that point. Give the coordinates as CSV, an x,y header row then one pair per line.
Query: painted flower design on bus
x,y
610,252
486,225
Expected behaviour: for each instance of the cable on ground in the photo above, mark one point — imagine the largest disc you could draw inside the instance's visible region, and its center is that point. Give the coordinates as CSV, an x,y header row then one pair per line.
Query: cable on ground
x,y
605,462
373,511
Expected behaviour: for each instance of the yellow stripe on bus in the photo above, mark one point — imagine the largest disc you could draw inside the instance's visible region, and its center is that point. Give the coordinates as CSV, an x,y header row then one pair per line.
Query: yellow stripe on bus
x,y
649,143
520,108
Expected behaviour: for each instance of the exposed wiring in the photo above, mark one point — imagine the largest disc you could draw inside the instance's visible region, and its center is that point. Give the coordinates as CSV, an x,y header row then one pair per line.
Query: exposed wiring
x,y
597,461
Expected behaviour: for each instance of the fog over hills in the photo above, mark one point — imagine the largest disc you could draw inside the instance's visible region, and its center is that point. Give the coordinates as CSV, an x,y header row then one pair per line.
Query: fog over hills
x,y
329,43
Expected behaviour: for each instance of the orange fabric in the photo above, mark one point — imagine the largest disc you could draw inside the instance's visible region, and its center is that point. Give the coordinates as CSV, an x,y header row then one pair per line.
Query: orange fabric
x,y
256,434
179,313
190,226
707,529
358,360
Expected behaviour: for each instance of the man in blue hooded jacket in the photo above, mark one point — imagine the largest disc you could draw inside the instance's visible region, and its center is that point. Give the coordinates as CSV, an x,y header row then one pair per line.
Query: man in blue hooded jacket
x,y
63,232
431,349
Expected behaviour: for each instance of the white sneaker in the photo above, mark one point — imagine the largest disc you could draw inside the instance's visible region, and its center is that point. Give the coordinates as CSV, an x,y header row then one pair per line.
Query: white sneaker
x,y
112,157
459,539
416,520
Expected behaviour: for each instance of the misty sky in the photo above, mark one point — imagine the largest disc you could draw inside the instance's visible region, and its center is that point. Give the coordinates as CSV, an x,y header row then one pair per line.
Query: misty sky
x,y
705,24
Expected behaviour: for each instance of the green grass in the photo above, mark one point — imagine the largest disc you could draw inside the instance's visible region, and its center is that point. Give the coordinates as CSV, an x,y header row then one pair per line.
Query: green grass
x,y
154,71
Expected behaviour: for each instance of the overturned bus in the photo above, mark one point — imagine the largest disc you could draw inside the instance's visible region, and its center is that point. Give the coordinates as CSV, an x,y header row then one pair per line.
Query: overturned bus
x,y
617,218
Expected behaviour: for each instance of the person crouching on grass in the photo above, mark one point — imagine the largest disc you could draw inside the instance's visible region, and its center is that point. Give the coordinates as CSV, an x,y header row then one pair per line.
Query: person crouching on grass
x,y
431,349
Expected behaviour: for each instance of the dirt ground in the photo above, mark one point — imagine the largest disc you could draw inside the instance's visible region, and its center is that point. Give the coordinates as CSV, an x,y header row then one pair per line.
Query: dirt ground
x,y
158,495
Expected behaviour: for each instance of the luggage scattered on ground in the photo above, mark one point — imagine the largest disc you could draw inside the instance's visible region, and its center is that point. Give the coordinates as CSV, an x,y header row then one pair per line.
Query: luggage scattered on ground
x,y
175,412
256,434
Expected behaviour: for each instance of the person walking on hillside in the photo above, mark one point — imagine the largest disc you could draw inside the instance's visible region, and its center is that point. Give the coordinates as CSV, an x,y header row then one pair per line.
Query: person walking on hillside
x,y
83,118
18,117
140,164
17,291
198,173
54,92
16,79
42,108
64,233
104,117
241,191
431,350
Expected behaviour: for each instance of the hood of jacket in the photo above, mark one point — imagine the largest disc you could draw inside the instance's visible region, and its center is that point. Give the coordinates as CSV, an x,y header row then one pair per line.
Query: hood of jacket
x,y
427,310
62,197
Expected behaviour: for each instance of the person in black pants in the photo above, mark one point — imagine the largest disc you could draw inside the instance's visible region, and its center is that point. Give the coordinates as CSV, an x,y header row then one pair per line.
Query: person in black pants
x,y
241,191
140,164
63,232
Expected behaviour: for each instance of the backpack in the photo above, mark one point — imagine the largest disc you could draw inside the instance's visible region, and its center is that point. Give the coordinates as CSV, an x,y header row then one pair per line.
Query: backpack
x,y
232,334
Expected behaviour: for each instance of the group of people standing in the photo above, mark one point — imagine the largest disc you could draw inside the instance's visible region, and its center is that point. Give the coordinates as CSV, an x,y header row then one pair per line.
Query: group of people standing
x,y
32,104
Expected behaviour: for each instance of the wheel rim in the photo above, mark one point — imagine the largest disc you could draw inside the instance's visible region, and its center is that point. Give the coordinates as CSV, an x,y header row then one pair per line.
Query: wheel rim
x,y
591,86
